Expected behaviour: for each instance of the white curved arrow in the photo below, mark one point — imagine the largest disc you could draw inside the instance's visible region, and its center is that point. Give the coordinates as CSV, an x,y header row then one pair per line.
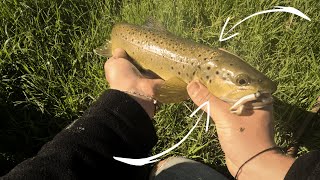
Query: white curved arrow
x,y
278,9
152,159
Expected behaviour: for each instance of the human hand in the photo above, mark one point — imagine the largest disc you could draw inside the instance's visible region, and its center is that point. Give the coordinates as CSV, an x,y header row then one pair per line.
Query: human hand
x,y
242,137
122,75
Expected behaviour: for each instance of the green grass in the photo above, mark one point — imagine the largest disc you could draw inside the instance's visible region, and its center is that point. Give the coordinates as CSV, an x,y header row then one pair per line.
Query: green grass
x,y
50,75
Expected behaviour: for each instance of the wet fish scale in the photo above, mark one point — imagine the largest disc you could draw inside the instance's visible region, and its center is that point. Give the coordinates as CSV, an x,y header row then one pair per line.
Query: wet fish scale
x,y
226,75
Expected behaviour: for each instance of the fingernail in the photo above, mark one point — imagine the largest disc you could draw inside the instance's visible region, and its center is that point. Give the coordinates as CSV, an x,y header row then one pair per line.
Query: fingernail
x,y
193,88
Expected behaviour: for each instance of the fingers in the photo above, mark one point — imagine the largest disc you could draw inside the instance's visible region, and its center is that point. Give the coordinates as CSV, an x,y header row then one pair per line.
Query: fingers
x,y
199,93
120,53
149,86
119,69
121,58
150,74
122,74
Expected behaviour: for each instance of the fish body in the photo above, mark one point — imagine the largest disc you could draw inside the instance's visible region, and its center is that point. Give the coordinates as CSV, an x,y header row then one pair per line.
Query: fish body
x,y
179,61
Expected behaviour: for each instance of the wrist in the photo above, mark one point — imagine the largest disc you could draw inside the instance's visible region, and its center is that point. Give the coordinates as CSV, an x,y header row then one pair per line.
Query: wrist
x,y
146,102
148,105
272,164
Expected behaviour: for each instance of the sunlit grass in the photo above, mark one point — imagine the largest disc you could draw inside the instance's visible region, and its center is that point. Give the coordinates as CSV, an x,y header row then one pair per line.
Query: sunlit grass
x,y
50,75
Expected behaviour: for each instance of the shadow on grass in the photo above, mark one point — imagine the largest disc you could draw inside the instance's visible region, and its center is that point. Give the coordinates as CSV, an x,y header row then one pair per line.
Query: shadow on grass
x,y
290,120
23,130
52,27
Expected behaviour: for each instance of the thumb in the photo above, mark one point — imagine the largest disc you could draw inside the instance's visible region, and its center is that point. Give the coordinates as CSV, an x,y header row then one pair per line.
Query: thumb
x,y
198,93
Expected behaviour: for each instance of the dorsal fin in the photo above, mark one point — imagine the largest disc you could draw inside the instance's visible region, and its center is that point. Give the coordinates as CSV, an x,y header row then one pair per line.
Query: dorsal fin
x,y
224,50
152,23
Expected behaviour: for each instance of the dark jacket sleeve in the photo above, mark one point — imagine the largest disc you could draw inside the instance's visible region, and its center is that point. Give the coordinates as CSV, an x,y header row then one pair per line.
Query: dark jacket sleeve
x,y
116,125
305,167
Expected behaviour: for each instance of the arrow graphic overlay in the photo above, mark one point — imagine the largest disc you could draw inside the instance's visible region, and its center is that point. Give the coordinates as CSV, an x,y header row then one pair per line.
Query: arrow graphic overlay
x,y
152,159
278,9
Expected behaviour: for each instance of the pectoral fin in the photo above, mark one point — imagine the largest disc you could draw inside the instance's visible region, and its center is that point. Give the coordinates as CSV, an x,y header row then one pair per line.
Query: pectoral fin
x,y
104,50
173,90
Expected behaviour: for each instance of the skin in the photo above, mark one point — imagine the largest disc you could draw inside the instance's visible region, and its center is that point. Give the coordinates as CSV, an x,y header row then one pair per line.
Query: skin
x,y
241,137
124,76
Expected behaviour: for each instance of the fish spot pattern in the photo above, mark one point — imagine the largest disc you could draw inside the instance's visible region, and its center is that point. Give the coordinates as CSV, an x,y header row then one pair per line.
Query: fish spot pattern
x,y
186,67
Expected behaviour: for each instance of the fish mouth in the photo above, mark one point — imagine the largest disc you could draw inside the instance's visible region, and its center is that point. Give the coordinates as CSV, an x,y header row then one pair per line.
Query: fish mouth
x,y
256,100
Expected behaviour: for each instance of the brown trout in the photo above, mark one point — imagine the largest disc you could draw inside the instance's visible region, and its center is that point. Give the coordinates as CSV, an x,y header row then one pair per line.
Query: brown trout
x,y
179,61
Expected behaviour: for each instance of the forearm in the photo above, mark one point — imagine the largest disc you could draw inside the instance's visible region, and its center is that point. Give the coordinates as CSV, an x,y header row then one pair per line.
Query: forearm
x,y
114,126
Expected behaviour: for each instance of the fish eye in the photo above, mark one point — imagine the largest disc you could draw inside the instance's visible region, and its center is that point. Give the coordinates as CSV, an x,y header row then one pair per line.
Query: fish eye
x,y
242,80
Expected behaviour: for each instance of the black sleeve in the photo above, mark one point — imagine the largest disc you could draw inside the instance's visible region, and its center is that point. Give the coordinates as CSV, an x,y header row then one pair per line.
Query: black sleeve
x,y
305,167
116,125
